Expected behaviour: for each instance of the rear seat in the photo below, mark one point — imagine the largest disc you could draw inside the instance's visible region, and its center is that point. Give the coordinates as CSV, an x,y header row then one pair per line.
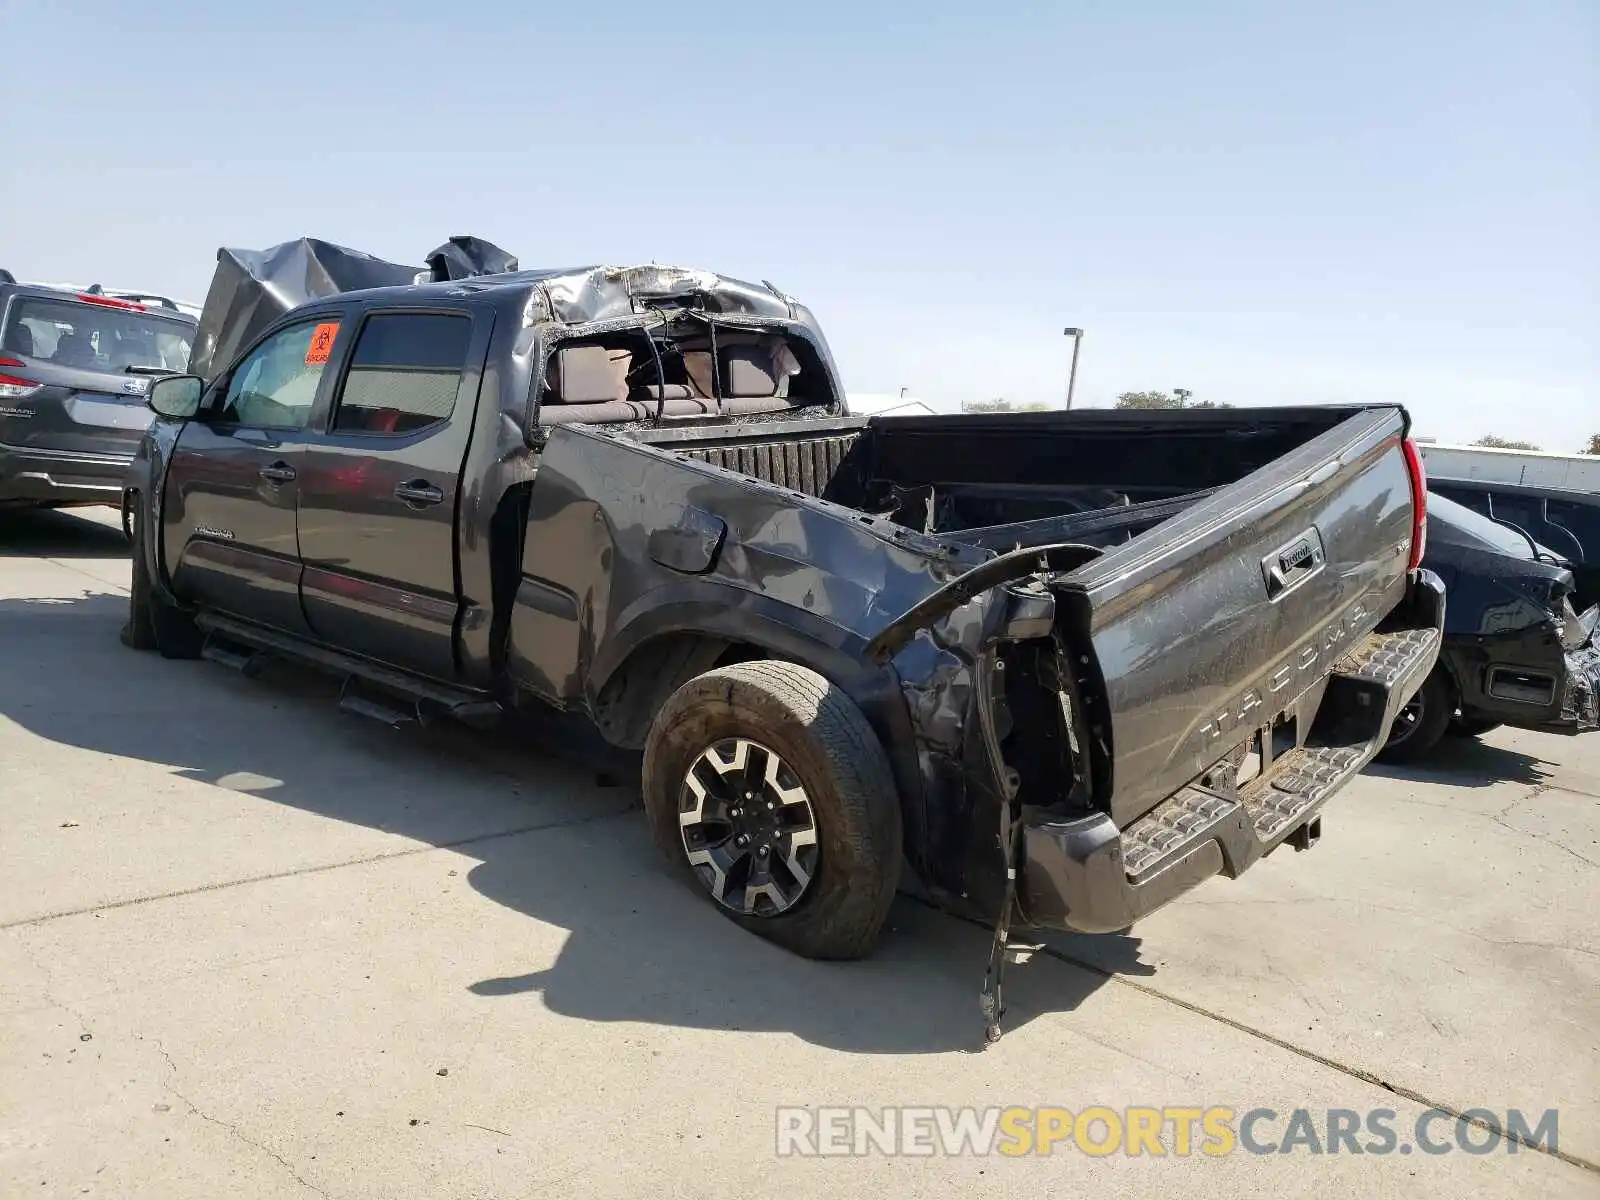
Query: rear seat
x,y
589,384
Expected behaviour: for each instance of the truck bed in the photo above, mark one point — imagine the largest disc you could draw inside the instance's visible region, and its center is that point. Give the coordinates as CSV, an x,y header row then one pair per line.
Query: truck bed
x,y
1007,481
1184,517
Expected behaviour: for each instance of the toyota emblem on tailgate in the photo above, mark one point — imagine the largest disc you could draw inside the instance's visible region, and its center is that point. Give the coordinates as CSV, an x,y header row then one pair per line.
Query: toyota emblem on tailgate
x,y
1287,567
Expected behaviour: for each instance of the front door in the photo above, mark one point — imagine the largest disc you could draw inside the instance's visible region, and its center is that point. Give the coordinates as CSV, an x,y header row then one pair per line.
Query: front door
x,y
378,490
229,503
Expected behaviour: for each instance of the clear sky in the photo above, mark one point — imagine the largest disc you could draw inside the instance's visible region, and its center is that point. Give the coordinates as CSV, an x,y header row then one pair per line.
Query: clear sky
x,y
1262,202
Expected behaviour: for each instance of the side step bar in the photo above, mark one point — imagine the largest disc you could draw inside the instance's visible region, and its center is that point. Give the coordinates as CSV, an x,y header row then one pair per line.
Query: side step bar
x,y
403,698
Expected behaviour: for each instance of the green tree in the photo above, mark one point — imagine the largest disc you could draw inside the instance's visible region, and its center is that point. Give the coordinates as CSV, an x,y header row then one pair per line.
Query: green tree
x,y
1000,405
1148,400
1163,400
1494,442
1594,445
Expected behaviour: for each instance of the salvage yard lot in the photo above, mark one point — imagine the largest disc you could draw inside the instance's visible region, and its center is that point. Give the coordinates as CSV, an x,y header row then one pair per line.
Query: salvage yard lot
x,y
252,946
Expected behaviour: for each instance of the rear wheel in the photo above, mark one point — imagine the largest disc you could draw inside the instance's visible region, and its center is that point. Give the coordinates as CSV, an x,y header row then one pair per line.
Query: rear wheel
x,y
768,787
1423,721
153,623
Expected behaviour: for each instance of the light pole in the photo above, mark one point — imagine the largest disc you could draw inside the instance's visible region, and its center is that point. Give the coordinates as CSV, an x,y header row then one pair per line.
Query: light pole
x,y
1183,395
1076,334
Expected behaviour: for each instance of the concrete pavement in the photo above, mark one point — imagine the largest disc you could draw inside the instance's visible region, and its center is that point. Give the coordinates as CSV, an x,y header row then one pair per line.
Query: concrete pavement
x,y
250,945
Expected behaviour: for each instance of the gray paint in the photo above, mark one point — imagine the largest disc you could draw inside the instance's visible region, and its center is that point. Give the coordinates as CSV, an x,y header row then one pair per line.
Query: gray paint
x,y
566,556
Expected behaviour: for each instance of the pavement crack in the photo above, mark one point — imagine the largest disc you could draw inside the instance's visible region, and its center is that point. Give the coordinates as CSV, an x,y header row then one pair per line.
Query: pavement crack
x,y
270,876
46,992
170,1086
1545,838
1349,1070
104,588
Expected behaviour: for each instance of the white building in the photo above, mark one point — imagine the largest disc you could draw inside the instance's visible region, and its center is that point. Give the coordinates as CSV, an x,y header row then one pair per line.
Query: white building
x,y
1536,468
872,404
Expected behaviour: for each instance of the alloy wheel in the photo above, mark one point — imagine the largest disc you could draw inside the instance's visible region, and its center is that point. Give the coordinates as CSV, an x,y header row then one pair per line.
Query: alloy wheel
x,y
748,828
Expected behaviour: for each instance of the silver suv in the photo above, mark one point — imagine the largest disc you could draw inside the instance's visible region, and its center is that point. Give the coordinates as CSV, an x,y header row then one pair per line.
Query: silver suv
x,y
75,364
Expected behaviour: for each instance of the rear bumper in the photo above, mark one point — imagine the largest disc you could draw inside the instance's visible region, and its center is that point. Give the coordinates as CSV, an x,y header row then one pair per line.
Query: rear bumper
x,y
33,475
1542,687
1579,690
1090,876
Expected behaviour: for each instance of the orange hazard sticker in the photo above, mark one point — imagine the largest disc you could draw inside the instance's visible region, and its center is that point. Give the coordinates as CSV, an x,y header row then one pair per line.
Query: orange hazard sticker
x,y
321,343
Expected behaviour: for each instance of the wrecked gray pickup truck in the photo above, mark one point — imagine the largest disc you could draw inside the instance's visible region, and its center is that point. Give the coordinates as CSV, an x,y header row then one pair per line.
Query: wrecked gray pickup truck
x,y
1067,665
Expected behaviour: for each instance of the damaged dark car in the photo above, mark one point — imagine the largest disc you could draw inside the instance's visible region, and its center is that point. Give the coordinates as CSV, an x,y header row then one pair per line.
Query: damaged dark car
x,y
1064,665
1516,649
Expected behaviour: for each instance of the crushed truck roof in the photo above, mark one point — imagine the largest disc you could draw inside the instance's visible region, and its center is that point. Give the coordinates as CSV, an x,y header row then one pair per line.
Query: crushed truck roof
x,y
253,288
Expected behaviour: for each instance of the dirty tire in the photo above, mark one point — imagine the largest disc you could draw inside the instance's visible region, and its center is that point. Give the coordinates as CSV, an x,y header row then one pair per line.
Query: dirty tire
x,y
1435,705
826,741
153,624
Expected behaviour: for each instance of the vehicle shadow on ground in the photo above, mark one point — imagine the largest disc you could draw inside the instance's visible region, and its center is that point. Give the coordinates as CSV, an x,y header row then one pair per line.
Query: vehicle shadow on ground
x,y
554,824
1468,762
51,533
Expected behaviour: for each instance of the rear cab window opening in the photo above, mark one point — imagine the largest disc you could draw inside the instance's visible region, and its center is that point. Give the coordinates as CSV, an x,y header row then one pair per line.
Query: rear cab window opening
x,y
94,337
691,368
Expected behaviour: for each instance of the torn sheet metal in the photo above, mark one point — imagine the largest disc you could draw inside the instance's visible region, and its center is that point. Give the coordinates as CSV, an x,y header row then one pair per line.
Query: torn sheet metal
x,y
253,288
466,257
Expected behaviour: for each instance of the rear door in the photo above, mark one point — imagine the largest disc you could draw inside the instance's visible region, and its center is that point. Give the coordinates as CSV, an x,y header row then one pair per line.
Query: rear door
x,y
92,357
379,489
228,514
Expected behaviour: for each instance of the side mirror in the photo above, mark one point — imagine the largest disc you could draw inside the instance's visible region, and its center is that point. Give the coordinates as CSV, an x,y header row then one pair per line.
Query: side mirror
x,y
176,396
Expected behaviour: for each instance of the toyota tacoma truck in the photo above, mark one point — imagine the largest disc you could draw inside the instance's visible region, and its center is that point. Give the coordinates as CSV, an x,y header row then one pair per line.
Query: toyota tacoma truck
x,y
1063,665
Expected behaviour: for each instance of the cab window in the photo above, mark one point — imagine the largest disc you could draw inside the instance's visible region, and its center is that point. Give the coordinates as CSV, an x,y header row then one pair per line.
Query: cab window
x,y
275,387
404,373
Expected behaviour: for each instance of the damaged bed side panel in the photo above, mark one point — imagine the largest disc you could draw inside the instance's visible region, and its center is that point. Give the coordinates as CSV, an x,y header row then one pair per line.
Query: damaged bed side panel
x,y
627,545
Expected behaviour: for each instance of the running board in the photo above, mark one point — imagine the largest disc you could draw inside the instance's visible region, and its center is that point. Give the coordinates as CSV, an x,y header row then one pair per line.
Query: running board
x,y
245,647
245,661
377,709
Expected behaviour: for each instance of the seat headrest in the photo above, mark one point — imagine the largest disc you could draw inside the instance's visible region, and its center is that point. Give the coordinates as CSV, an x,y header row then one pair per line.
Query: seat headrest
x,y
590,374
749,371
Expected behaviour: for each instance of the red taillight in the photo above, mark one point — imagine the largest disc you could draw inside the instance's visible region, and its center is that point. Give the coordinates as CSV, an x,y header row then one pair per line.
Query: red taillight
x,y
8,361
13,387
1419,504
110,302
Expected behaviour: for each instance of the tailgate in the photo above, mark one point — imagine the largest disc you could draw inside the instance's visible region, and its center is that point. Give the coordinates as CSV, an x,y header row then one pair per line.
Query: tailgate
x,y
1227,619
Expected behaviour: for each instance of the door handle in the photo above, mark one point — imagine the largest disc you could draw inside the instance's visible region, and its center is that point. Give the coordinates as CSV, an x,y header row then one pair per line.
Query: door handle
x,y
278,472
418,493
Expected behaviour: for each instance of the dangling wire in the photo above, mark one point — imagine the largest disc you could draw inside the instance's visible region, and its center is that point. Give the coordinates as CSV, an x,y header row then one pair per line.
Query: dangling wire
x,y
661,371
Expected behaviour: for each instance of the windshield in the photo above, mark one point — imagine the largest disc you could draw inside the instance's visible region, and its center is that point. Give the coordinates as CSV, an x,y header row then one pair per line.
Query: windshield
x,y
95,337
1457,525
